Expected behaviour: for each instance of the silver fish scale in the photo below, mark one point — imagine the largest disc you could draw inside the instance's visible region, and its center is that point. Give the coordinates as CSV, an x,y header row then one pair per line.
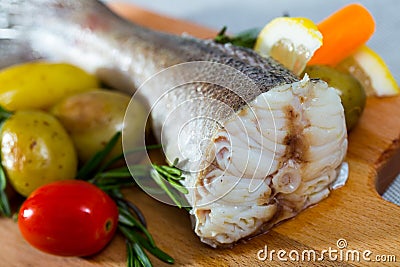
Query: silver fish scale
x,y
160,49
265,73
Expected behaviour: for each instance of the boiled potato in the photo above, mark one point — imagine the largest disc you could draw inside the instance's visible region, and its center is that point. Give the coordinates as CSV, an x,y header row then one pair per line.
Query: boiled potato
x,y
352,93
36,150
41,84
92,118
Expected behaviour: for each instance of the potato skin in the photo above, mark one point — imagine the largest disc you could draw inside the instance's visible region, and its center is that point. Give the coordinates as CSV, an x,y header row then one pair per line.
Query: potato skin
x,y
36,150
352,93
92,118
39,85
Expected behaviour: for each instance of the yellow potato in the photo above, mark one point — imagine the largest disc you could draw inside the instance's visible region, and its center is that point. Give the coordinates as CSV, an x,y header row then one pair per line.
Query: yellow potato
x,y
92,118
36,150
41,84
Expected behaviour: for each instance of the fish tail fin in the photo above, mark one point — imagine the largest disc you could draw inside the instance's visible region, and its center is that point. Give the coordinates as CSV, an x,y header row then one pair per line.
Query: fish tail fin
x,y
13,48
45,25
19,15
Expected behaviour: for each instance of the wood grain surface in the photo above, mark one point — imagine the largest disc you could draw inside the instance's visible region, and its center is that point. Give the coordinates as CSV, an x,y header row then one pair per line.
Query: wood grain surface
x,y
355,212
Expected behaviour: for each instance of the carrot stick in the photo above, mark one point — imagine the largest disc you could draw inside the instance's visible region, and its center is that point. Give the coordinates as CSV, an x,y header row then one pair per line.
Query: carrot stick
x,y
343,32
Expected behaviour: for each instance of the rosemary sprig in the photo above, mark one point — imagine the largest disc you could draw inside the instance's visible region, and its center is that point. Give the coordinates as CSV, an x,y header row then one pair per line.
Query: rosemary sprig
x,y
4,203
131,221
129,205
94,162
136,255
127,219
130,255
172,175
153,250
116,178
245,38
4,114
136,233
121,156
168,178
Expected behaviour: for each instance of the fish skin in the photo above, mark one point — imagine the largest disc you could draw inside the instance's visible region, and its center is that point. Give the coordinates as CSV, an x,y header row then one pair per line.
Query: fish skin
x,y
87,34
144,47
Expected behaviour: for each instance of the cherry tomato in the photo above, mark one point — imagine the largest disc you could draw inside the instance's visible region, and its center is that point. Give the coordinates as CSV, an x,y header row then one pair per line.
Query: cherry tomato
x,y
68,218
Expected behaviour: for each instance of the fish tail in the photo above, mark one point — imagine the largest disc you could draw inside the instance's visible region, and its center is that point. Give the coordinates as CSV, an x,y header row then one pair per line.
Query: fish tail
x,y
81,32
24,15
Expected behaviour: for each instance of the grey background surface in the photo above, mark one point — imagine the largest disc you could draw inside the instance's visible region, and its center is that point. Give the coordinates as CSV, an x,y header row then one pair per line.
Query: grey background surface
x,y
241,15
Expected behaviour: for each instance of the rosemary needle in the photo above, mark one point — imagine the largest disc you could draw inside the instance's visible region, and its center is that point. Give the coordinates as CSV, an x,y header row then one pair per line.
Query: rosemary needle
x,y
245,38
4,203
130,259
153,250
95,161
122,155
131,221
129,205
135,249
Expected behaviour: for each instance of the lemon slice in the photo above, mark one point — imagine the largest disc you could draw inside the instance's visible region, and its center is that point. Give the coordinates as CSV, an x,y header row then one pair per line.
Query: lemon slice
x,y
371,71
290,41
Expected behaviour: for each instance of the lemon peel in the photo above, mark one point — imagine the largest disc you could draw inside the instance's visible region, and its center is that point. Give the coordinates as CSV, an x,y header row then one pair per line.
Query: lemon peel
x,y
371,71
290,41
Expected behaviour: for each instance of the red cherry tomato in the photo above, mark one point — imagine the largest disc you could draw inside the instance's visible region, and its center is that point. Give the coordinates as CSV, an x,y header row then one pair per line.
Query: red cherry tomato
x,y
68,218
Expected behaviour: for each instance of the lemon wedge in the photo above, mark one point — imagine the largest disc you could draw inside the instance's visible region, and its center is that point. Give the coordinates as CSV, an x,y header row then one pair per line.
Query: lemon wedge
x,y
290,41
371,71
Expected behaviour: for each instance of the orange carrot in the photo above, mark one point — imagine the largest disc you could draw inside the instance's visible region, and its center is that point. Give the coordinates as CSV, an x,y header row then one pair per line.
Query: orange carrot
x,y
343,32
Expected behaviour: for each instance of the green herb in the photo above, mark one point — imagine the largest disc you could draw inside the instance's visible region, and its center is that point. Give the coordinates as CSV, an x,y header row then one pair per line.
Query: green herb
x,y
153,250
131,222
94,162
125,204
4,203
170,173
131,260
116,178
136,255
4,114
245,38
117,173
173,195
127,219
139,239
173,176
122,155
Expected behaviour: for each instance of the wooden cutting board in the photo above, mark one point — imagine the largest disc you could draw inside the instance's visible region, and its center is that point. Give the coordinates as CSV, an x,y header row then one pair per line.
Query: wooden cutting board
x,y
355,212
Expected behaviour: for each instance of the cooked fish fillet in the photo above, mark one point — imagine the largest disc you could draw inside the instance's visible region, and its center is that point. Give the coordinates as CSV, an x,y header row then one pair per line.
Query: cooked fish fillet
x,y
258,145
